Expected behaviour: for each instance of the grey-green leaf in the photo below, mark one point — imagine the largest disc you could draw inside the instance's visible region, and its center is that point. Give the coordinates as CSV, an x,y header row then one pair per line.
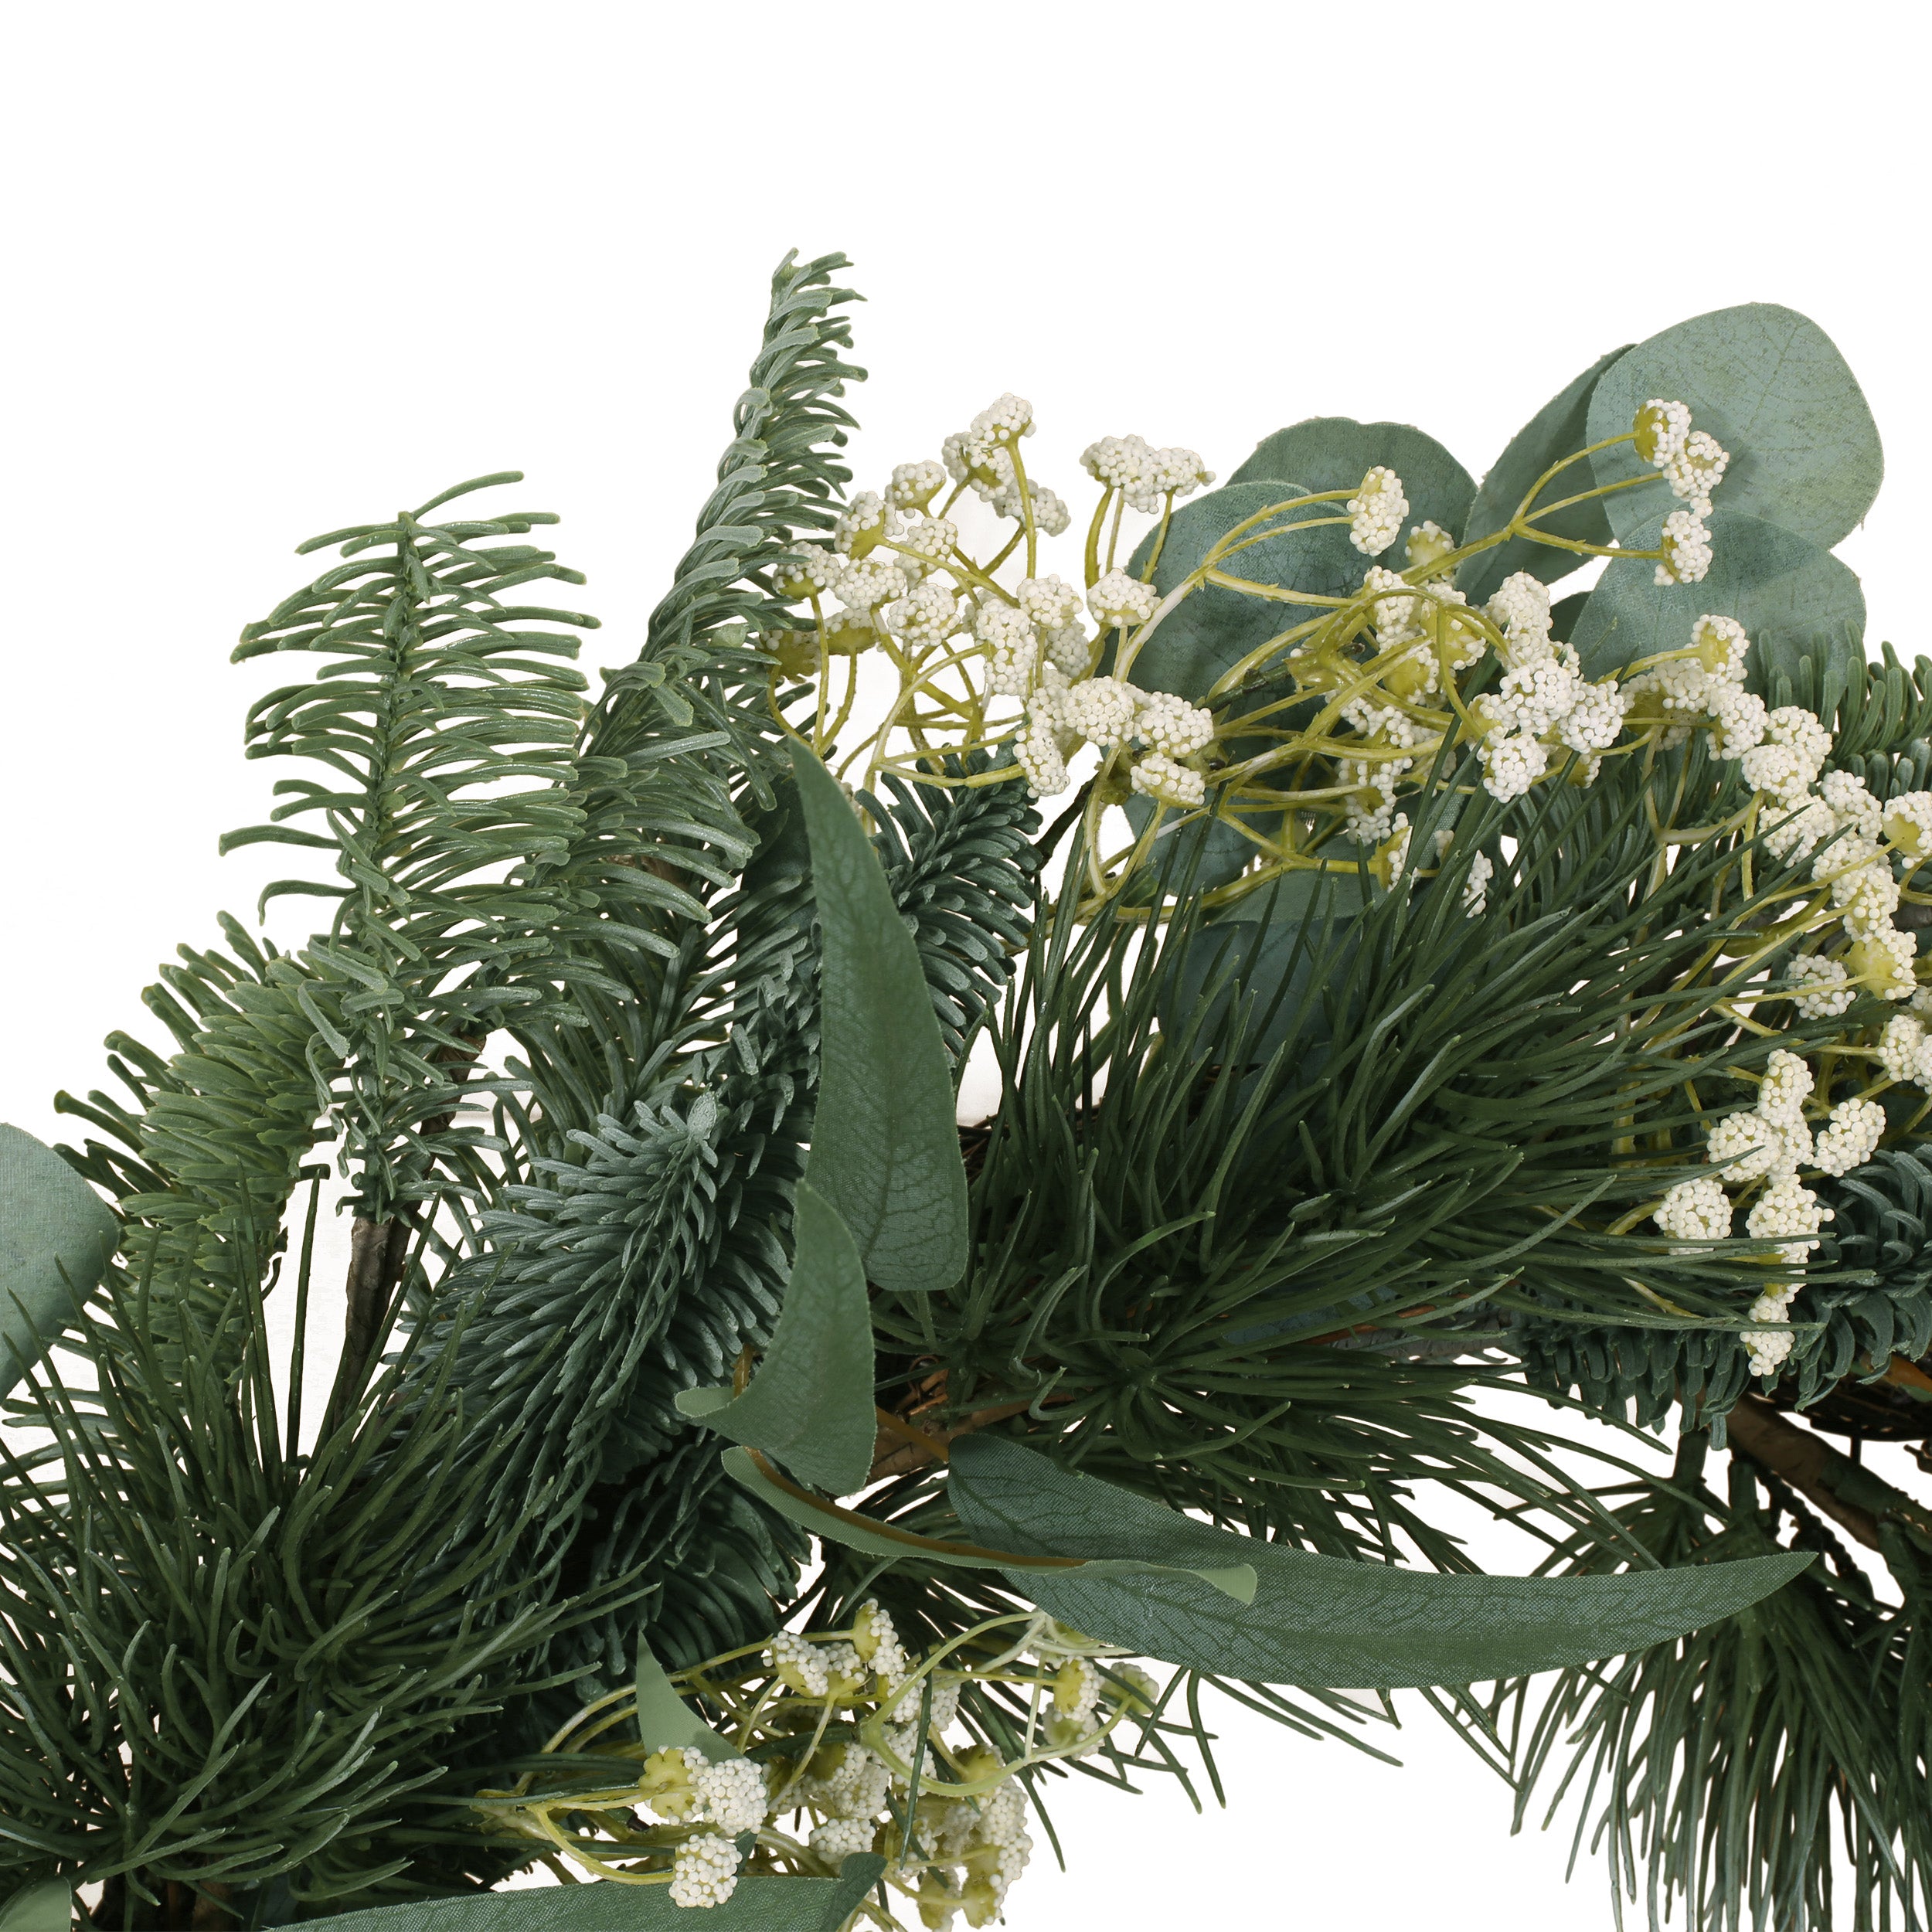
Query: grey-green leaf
x,y
665,1721
1336,452
1284,951
1317,1621
47,1907
810,1406
56,1238
884,1143
1213,628
1560,428
1771,386
756,1905
1232,1579
1769,579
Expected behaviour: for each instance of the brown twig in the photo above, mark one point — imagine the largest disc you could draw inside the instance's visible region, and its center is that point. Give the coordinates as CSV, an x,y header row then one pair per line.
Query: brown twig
x,y
901,1447
377,1254
1858,1501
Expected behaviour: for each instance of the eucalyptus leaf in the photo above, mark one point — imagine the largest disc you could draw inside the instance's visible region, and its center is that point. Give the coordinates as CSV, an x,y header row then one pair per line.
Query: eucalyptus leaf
x,y
56,1238
765,1904
1560,428
1336,452
810,1406
665,1721
1275,950
1318,1621
1771,386
1233,1579
1213,628
885,1147
1775,671
1767,578
47,1907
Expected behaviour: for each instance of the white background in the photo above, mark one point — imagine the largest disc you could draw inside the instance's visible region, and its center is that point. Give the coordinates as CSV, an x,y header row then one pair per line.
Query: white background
x,y
270,270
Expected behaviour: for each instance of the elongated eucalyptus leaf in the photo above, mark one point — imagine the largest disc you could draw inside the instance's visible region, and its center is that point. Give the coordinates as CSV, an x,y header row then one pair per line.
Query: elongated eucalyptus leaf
x,y
885,1145
1559,429
38,1908
1771,386
1761,575
56,1237
1317,1621
757,1905
810,1406
1233,1579
1336,452
665,1720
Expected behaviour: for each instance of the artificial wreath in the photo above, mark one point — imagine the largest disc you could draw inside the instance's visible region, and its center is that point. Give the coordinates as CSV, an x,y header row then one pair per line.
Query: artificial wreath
x,y
1424,1008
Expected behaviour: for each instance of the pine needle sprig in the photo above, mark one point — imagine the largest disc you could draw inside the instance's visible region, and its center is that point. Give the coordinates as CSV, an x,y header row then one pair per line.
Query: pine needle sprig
x,y
779,476
448,723
1737,1765
225,1663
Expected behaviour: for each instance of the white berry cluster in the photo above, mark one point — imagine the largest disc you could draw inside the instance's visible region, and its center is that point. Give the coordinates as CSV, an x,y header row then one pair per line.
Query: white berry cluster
x,y
1706,680
714,1803
1854,841
1693,465
1109,711
981,457
1804,812
1544,702
1120,598
961,634
1376,511
1421,621
1763,1150
1148,478
1387,744
826,1731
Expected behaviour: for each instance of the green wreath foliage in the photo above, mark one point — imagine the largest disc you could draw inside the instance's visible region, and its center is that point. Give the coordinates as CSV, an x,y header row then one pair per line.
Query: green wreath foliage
x,y
1309,1198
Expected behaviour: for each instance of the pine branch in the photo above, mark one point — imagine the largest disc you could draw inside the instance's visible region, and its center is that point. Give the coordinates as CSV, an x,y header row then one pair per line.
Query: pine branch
x,y
225,1665
1740,1763
208,1163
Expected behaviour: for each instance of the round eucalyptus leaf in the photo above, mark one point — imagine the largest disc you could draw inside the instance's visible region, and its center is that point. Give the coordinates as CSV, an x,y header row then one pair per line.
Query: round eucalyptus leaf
x,y
1336,452
1275,952
1771,581
1771,386
1560,428
1213,628
1195,857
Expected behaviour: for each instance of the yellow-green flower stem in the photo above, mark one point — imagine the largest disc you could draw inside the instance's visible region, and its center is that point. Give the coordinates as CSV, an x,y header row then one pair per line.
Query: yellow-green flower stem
x,y
1113,535
1091,559
1160,539
1025,508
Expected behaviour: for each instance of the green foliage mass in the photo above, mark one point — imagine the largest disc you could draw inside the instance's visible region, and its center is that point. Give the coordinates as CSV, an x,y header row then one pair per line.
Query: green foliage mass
x,y
1282,1199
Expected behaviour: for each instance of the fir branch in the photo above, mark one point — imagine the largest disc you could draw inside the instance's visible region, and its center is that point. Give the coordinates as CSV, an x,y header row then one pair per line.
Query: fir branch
x,y
643,1263
215,1151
